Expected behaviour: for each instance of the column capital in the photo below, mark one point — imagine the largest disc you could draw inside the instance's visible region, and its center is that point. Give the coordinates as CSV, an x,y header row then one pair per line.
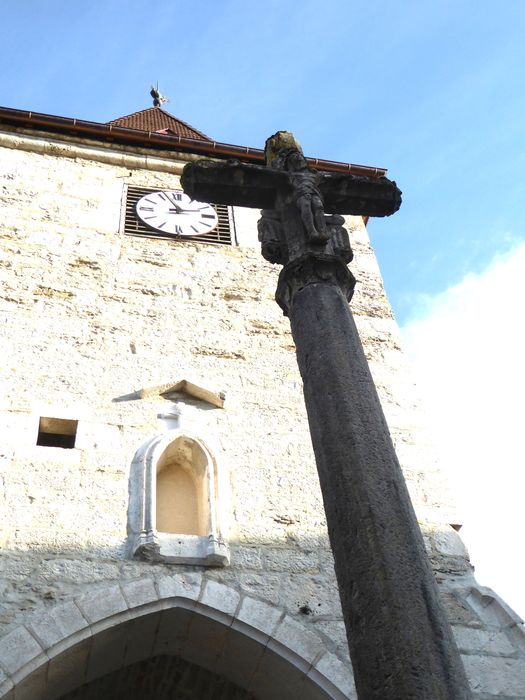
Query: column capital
x,y
312,268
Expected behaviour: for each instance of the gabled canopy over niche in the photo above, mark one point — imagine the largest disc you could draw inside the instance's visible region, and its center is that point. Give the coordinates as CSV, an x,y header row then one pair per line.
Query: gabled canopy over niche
x,y
184,388
175,501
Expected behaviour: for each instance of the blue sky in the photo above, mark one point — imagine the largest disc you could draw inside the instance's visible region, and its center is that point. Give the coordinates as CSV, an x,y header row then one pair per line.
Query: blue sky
x,y
432,91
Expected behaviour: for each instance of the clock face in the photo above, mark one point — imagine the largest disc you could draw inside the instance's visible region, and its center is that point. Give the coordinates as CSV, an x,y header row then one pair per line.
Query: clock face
x,y
173,212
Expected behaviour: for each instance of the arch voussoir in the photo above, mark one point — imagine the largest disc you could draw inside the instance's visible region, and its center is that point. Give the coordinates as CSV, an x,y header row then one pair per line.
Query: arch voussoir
x,y
109,627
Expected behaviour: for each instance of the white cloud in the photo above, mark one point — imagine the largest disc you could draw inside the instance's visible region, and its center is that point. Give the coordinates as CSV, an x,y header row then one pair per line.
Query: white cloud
x,y
467,346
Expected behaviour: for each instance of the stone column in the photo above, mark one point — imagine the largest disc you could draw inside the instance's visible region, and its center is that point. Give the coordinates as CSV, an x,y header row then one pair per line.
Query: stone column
x,y
400,641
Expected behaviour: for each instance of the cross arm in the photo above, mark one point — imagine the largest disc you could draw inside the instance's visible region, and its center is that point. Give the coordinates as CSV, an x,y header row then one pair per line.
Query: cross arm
x,y
233,183
358,195
240,184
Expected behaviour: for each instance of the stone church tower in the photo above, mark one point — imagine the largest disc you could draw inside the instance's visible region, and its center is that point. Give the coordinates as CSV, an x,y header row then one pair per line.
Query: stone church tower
x,y
163,533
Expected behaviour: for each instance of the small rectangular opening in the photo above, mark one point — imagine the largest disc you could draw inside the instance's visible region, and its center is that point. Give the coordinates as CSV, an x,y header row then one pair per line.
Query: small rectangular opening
x,y
57,432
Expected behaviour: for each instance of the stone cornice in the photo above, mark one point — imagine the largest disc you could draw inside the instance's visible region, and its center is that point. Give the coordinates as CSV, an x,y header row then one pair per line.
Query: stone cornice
x,y
111,154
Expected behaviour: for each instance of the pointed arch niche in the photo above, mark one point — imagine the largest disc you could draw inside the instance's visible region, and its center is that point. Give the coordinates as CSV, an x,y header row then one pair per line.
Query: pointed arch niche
x,y
175,503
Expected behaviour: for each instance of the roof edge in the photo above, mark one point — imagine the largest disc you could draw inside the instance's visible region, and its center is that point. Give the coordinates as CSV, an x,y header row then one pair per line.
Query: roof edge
x,y
214,149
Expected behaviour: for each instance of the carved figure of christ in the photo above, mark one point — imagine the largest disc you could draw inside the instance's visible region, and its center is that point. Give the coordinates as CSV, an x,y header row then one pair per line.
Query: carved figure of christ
x,y
400,641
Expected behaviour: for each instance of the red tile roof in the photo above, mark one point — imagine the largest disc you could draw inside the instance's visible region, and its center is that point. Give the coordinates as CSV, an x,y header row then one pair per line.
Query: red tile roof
x,y
157,120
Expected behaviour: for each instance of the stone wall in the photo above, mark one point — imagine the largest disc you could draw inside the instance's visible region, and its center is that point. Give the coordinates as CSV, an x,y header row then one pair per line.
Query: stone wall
x,y
92,317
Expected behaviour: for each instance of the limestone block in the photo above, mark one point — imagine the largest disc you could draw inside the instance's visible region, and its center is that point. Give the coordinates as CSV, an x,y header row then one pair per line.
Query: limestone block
x,y
448,542
140,592
97,436
179,584
220,597
101,603
337,672
17,649
6,691
258,615
458,612
294,561
298,638
134,569
51,628
77,571
261,585
313,592
496,676
471,639
494,611
334,633
357,230
246,226
16,567
246,558
18,428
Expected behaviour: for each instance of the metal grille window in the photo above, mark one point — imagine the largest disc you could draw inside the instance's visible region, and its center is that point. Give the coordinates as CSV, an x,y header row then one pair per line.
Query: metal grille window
x,y
221,234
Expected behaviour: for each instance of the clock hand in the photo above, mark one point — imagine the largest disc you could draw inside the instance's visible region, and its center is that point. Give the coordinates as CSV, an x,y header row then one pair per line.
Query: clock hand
x,y
171,200
190,211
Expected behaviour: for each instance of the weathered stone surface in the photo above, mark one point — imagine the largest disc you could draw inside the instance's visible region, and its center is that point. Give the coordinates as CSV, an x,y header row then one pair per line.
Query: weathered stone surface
x,y
256,613
470,640
17,649
97,607
364,494
52,628
293,635
220,597
405,648
337,672
139,592
186,585
496,676
89,315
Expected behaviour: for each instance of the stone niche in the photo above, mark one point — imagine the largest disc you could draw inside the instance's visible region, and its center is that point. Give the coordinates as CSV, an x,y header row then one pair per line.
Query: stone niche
x,y
182,492
175,494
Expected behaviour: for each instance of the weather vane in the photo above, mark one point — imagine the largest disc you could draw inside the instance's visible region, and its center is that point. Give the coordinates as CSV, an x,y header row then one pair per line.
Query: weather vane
x,y
158,99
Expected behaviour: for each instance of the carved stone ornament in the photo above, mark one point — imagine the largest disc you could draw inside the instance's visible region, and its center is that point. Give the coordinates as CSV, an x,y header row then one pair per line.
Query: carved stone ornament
x,y
144,540
301,219
400,641
312,268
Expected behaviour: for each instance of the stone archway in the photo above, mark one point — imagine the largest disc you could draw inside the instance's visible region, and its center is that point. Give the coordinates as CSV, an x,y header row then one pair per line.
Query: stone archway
x,y
171,626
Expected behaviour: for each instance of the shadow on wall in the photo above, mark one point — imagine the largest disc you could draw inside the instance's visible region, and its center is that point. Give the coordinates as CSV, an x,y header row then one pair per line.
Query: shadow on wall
x,y
260,626
172,633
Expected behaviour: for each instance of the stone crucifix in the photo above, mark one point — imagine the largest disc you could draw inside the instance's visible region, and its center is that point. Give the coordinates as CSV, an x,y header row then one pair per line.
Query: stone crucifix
x,y
400,641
